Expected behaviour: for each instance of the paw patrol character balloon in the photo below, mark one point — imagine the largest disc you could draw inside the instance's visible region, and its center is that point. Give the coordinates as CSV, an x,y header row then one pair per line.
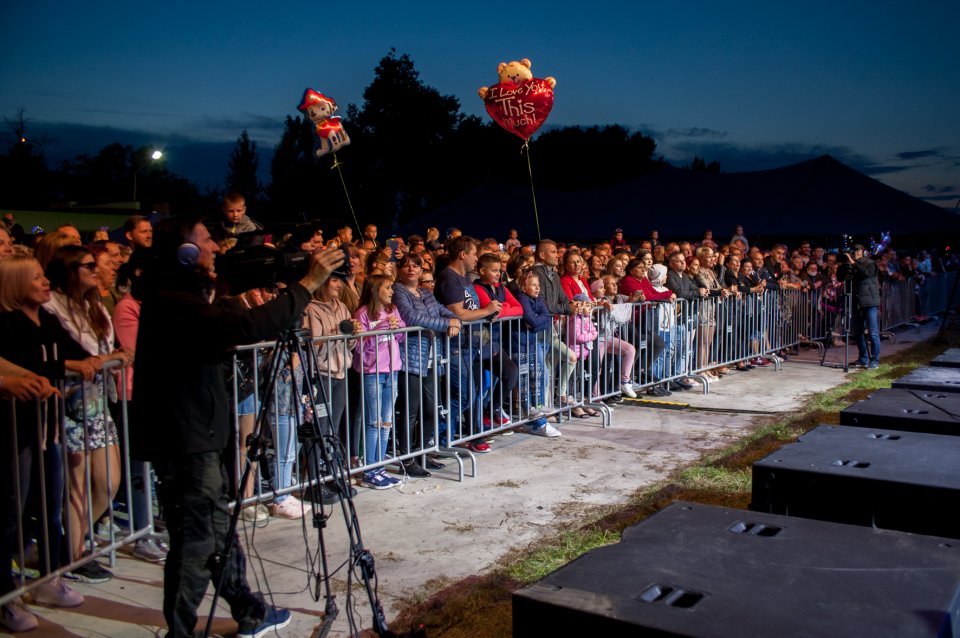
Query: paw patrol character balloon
x,y
331,136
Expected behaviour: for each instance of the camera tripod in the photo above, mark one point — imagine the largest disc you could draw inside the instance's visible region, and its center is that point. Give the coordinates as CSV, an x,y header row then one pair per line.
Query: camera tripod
x,y
322,451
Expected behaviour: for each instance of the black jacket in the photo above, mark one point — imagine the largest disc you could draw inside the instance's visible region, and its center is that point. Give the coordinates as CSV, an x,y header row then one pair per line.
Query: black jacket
x,y
181,403
683,285
866,285
42,350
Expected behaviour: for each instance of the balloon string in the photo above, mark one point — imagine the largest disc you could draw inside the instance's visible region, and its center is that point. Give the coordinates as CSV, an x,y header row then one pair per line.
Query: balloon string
x,y
536,214
336,165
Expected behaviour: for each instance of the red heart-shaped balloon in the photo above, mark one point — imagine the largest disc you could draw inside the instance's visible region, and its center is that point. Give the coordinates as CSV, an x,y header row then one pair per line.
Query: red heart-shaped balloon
x,y
520,108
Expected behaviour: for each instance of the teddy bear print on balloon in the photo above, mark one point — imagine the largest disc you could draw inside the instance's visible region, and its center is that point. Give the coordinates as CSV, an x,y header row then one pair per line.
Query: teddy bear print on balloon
x,y
520,103
329,130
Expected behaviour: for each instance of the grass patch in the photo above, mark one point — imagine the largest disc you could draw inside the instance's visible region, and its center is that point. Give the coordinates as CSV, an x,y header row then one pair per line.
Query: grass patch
x,y
722,479
554,554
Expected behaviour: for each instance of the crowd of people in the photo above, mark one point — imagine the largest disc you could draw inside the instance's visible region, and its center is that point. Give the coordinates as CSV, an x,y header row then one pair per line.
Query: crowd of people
x,y
526,330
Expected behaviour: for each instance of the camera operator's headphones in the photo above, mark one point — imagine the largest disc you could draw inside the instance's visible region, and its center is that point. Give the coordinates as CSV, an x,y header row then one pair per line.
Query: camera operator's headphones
x,y
188,253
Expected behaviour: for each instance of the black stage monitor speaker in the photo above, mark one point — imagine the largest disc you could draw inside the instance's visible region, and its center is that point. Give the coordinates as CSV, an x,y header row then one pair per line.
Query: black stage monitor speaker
x,y
891,479
700,570
908,410
933,379
949,359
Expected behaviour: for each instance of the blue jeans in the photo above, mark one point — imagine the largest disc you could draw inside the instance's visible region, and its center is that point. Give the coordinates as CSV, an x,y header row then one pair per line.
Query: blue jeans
x,y
867,319
463,383
379,395
31,500
287,448
663,364
538,377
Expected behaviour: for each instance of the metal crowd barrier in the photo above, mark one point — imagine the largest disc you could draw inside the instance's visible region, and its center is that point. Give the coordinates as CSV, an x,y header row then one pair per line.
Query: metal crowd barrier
x,y
497,375
50,503
934,294
344,404
897,305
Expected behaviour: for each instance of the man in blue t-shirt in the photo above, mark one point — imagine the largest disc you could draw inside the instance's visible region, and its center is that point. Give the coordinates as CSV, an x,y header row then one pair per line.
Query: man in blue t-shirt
x,y
455,291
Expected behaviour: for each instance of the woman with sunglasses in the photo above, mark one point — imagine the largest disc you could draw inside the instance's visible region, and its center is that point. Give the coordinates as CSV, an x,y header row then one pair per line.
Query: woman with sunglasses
x,y
91,433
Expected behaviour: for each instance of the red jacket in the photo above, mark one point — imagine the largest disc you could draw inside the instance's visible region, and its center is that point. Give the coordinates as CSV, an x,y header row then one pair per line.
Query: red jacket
x,y
630,284
569,285
511,307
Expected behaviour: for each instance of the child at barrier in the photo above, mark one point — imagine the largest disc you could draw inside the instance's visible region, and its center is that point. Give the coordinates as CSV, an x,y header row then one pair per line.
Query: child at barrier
x,y
581,337
831,305
503,369
283,415
663,366
323,317
618,313
247,402
528,344
379,361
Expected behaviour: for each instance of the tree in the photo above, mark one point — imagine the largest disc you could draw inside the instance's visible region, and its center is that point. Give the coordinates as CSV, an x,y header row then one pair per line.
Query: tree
x,y
404,133
300,186
242,169
699,165
605,155
24,179
108,177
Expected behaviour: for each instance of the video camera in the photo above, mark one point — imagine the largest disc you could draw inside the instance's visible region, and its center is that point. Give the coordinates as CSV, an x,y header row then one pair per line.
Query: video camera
x,y
242,269
846,244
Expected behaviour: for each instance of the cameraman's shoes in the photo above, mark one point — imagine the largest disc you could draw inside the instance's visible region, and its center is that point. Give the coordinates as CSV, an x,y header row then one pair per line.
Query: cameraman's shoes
x,y
273,620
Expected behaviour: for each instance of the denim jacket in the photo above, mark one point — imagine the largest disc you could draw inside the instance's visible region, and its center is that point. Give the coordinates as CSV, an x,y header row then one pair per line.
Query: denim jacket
x,y
424,311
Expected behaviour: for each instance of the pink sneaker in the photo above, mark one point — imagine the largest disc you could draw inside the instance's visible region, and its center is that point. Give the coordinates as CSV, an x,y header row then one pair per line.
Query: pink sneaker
x,y
290,508
16,617
56,593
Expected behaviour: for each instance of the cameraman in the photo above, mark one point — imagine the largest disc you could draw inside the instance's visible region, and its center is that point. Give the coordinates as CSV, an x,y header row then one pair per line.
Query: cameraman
x,y
182,419
862,272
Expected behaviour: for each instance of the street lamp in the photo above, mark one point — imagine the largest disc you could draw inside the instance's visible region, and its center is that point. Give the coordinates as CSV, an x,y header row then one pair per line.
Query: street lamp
x,y
153,156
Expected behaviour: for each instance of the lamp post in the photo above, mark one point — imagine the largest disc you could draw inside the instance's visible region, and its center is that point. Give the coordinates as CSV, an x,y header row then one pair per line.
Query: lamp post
x,y
153,156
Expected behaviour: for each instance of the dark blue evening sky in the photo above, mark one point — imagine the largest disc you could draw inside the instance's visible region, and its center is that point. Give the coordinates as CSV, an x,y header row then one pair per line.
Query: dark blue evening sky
x,y
754,85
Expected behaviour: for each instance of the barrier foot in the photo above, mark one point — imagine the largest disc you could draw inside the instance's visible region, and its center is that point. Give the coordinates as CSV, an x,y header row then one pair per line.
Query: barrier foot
x,y
605,412
702,380
822,350
457,454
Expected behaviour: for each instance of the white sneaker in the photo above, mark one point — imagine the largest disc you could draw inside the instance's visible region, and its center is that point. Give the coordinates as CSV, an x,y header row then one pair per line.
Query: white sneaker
x,y
149,550
546,430
104,528
255,514
627,389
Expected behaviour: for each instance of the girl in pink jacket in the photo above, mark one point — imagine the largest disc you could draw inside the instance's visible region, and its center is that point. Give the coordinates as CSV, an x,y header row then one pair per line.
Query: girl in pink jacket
x,y
378,360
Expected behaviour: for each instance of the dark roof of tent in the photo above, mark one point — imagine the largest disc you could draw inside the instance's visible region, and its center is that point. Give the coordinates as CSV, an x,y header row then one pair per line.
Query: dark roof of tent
x,y
821,195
